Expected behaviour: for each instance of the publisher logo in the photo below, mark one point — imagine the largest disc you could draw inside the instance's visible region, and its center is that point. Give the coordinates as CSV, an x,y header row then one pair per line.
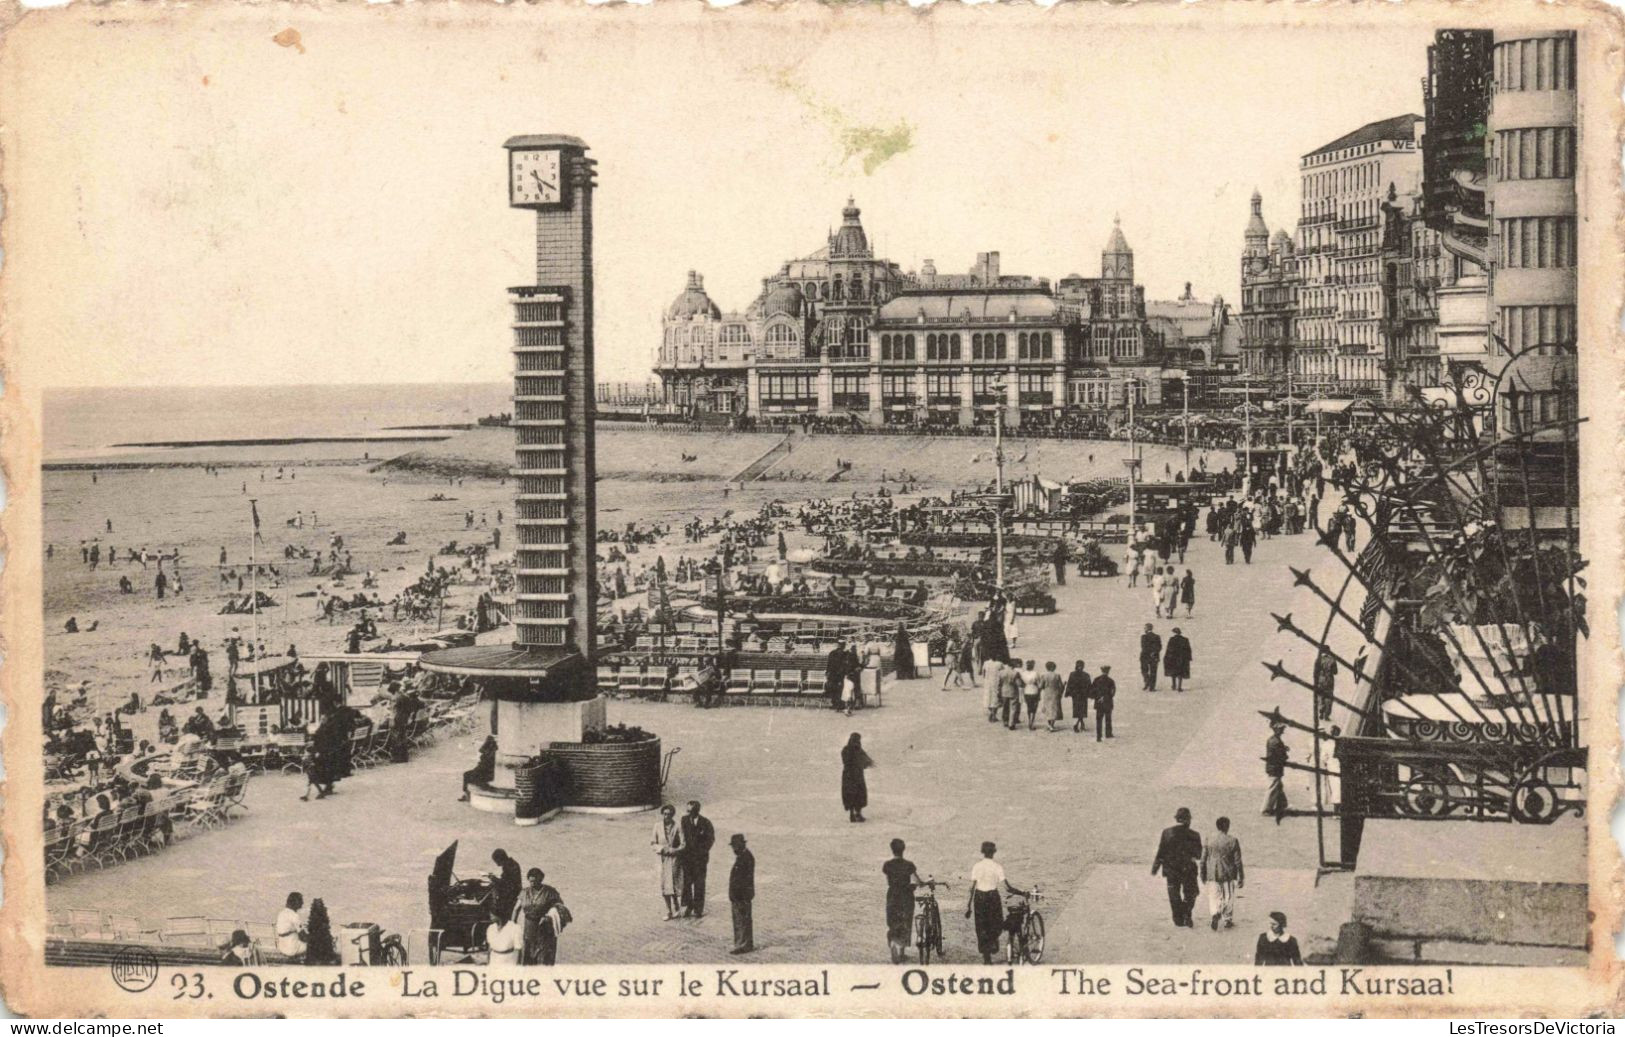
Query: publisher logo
x,y
134,969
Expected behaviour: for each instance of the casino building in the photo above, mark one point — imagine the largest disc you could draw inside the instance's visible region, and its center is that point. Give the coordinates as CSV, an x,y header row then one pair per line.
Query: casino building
x,y
842,333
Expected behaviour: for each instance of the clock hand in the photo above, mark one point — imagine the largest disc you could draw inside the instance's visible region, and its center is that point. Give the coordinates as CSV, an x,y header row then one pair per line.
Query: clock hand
x,y
543,184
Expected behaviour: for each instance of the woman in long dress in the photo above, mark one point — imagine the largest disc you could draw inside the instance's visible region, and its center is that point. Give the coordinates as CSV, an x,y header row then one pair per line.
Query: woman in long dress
x,y
1170,593
854,787
903,654
668,841
541,938
900,878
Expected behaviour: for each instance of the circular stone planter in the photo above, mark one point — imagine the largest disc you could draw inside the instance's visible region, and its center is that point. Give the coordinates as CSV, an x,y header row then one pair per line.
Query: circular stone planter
x,y
616,777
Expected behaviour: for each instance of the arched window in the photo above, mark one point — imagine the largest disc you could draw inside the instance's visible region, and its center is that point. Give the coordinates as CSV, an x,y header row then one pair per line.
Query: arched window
x,y
1001,347
908,347
976,346
1021,345
953,347
782,340
1049,346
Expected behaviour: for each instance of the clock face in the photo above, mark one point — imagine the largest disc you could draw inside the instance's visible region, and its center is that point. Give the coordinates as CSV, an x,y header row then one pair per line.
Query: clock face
x,y
535,178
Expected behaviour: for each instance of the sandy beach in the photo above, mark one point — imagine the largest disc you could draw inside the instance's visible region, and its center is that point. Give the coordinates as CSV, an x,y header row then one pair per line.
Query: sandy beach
x,y
197,512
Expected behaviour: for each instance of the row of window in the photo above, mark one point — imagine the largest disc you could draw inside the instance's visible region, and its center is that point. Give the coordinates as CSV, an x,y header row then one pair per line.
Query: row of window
x,y
897,347
1533,154
781,387
1544,64
1536,242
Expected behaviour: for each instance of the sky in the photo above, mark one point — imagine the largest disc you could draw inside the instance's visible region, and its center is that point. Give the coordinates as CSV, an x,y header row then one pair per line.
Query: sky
x,y
215,202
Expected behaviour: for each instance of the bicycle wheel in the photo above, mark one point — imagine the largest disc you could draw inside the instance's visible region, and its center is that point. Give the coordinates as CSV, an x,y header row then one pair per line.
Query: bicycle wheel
x,y
923,936
394,953
936,930
1034,932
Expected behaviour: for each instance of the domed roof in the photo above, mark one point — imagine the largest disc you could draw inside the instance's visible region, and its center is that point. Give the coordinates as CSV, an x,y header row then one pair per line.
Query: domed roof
x,y
1117,243
785,299
850,239
1282,240
693,302
1256,230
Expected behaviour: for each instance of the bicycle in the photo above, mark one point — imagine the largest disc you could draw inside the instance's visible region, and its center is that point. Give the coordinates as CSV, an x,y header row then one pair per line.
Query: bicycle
x,y
1024,926
928,922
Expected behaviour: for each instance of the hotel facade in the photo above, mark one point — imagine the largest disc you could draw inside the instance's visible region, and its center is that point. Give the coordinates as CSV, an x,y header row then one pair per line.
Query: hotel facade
x,y
842,333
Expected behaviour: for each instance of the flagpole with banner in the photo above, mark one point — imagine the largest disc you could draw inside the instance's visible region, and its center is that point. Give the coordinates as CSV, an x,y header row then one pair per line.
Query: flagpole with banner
x,y
254,588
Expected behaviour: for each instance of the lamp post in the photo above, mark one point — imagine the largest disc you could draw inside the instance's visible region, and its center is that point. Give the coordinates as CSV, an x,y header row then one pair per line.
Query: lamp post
x,y
998,385
1185,396
1133,462
1291,418
1247,440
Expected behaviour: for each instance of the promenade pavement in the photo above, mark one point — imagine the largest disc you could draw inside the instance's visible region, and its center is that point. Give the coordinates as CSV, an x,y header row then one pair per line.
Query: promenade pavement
x,y
1077,817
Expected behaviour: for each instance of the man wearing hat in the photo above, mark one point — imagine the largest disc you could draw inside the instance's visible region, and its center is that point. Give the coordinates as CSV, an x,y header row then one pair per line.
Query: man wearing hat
x,y
1179,854
1275,755
240,951
741,891
1277,946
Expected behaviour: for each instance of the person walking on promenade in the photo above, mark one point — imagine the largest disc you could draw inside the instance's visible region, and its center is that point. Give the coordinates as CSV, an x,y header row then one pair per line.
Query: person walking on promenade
x,y
1277,946
1187,592
1150,656
542,917
1247,539
974,638
901,875
694,858
1275,756
1077,692
1158,584
1030,691
1050,687
1223,874
1059,561
1229,537
1325,681
902,655
1131,563
1179,853
1103,691
835,674
854,787
852,675
986,903
741,893
992,688
668,844
1010,687
1170,592
962,664
1176,659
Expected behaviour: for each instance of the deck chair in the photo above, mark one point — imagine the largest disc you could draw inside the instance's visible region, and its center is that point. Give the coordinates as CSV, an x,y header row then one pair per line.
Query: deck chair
x,y
86,923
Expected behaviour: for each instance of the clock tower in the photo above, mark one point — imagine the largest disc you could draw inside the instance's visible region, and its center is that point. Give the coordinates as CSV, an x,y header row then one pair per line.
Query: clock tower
x,y
555,552
542,674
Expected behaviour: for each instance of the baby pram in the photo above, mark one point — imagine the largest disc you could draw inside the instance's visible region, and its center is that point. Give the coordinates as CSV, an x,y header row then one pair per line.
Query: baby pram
x,y
459,911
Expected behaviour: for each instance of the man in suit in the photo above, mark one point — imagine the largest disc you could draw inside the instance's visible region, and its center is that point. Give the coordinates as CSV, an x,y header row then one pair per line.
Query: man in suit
x,y
1275,757
1150,656
505,889
1179,854
694,859
1103,691
1222,871
835,674
741,891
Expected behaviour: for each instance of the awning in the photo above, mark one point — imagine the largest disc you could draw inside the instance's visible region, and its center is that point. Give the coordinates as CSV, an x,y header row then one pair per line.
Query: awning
x,y
1328,406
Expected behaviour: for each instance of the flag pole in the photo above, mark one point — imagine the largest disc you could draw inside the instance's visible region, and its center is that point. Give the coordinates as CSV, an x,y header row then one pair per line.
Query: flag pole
x,y
254,590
